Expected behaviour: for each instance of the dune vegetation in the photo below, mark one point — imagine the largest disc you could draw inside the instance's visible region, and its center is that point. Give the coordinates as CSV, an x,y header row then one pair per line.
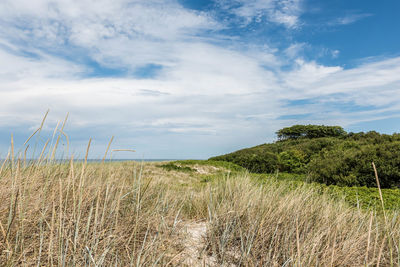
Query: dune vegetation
x,y
131,213
326,154
183,213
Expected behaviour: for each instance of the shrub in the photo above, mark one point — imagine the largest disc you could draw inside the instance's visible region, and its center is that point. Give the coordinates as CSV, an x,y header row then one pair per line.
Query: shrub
x,y
327,154
287,156
172,167
292,161
348,165
260,162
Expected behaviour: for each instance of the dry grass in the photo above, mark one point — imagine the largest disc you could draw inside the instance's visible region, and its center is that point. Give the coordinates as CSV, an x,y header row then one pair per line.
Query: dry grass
x,y
76,214
133,214
271,225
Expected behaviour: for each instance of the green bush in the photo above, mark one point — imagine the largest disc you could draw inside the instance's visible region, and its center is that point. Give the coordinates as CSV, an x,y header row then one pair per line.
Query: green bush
x,y
224,164
361,197
259,162
365,197
292,161
172,167
348,165
327,154
285,156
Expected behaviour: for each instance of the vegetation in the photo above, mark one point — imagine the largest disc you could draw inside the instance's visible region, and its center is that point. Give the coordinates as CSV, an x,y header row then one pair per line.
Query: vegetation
x,y
232,167
130,213
193,213
310,131
366,198
363,197
171,166
349,164
273,225
326,154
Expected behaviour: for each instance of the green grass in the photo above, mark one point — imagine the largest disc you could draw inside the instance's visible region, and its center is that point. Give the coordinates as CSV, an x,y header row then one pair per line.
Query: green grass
x,y
363,197
222,164
173,167
366,198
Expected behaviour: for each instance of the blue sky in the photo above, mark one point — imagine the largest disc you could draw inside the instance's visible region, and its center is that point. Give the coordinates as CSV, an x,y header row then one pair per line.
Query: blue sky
x,y
193,79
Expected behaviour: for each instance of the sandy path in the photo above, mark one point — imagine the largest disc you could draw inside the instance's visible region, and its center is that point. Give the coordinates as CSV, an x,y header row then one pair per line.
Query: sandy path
x,y
194,252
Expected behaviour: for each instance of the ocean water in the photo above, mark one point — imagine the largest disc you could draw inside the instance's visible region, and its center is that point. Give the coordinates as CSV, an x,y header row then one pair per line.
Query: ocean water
x,y
97,160
118,160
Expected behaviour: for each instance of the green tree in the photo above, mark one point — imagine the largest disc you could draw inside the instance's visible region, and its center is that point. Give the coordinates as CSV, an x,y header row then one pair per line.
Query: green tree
x,y
310,131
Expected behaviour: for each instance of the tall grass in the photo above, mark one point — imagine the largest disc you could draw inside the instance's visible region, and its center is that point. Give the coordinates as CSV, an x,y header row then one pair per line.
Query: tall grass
x,y
272,225
132,214
79,214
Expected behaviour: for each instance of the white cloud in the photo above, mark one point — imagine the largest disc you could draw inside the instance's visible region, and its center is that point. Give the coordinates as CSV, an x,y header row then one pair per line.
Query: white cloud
x,y
369,84
206,94
308,73
107,30
349,18
294,50
287,13
284,12
345,96
335,53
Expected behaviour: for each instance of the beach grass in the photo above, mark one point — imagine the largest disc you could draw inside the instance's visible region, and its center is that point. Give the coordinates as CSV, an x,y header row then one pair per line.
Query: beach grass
x,y
182,213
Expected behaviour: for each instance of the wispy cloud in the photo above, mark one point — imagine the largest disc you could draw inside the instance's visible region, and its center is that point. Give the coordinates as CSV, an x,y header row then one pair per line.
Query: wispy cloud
x,y
350,18
283,12
295,50
208,90
107,31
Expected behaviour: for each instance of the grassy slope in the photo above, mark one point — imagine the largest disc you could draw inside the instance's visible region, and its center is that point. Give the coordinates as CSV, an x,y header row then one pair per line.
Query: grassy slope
x,y
366,198
362,197
134,214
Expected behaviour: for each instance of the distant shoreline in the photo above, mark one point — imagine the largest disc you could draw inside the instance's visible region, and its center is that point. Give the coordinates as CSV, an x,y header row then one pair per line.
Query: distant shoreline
x,y
109,160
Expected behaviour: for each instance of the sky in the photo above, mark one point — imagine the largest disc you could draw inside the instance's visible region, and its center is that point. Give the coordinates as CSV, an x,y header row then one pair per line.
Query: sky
x,y
177,79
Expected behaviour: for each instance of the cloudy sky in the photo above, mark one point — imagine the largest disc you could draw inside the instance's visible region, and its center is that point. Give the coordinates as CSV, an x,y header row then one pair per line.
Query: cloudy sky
x,y
195,78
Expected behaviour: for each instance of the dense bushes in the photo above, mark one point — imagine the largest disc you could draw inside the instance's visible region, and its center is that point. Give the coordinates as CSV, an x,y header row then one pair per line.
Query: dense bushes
x,y
284,156
351,165
258,162
292,161
337,158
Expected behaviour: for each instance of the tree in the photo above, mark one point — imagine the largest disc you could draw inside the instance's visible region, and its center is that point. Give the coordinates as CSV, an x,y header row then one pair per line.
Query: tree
x,y
310,131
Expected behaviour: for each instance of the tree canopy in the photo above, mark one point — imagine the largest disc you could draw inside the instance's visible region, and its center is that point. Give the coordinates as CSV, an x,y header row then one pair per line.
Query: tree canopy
x,y
310,131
